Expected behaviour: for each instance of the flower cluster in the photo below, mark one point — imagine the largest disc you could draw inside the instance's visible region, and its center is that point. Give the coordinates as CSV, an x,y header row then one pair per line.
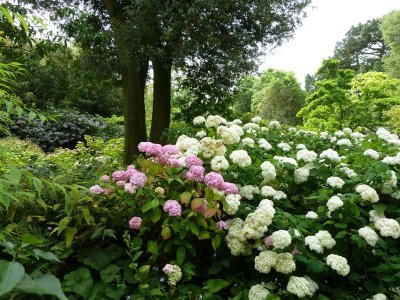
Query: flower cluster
x,y
173,272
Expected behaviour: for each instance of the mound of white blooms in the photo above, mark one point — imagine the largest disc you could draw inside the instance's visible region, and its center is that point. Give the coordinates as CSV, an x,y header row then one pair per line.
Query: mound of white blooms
x,y
338,263
305,196
301,286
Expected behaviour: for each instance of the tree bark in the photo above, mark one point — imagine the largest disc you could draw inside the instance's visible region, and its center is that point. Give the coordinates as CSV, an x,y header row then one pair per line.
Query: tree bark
x,y
161,100
134,73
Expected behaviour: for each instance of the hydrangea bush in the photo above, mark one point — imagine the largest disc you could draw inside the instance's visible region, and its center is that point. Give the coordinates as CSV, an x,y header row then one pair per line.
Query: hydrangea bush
x,y
306,214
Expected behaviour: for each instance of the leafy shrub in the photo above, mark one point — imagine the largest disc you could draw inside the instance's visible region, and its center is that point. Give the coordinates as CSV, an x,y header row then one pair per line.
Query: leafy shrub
x,y
65,129
18,152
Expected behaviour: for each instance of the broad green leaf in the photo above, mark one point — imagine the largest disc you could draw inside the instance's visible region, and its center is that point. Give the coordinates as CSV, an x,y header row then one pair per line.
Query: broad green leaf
x,y
46,285
185,197
152,246
147,206
69,236
111,273
46,255
180,255
79,282
30,239
10,274
215,285
23,22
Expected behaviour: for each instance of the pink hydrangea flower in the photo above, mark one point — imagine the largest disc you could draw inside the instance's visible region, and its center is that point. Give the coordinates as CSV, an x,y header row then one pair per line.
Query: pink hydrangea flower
x,y
135,222
107,191
195,173
150,149
175,162
138,178
119,175
222,225
130,188
268,241
230,188
168,268
105,178
193,160
96,189
173,208
214,180
120,182
170,150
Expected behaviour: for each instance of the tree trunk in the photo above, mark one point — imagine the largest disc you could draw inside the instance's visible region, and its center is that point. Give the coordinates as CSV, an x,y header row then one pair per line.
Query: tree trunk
x,y
161,100
134,73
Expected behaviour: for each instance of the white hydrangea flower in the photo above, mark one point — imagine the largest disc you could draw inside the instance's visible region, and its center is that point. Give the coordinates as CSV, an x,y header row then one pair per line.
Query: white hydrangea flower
x,y
392,160
256,120
292,129
334,203
301,146
335,182
249,142
258,292
331,155
268,171
375,216
199,120
379,296
174,274
235,239
266,202
311,215
281,239
257,222
240,158
314,244
369,235
188,145
388,227
284,146
219,163
301,174
347,130
212,147
251,126
388,137
339,133
325,239
214,121
348,172
344,142
274,124
264,144
264,262
279,195
248,191
371,153
268,191
388,185
306,156
367,193
237,122
233,202
323,135
200,134
228,135
239,130
288,160
284,263
301,286
338,263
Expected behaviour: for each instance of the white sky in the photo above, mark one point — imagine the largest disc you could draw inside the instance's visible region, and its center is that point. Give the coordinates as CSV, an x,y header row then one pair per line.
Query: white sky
x,y
326,23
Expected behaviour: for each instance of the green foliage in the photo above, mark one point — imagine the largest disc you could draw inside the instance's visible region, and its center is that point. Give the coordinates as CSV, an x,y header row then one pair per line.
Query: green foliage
x,y
363,48
390,28
277,95
372,94
328,107
393,115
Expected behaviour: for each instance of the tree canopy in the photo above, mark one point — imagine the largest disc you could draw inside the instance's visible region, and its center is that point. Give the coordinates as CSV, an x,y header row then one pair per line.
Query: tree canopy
x,y
210,44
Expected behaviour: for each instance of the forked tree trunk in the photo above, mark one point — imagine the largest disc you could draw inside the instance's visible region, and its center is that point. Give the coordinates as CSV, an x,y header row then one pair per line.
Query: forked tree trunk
x,y
134,74
161,100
